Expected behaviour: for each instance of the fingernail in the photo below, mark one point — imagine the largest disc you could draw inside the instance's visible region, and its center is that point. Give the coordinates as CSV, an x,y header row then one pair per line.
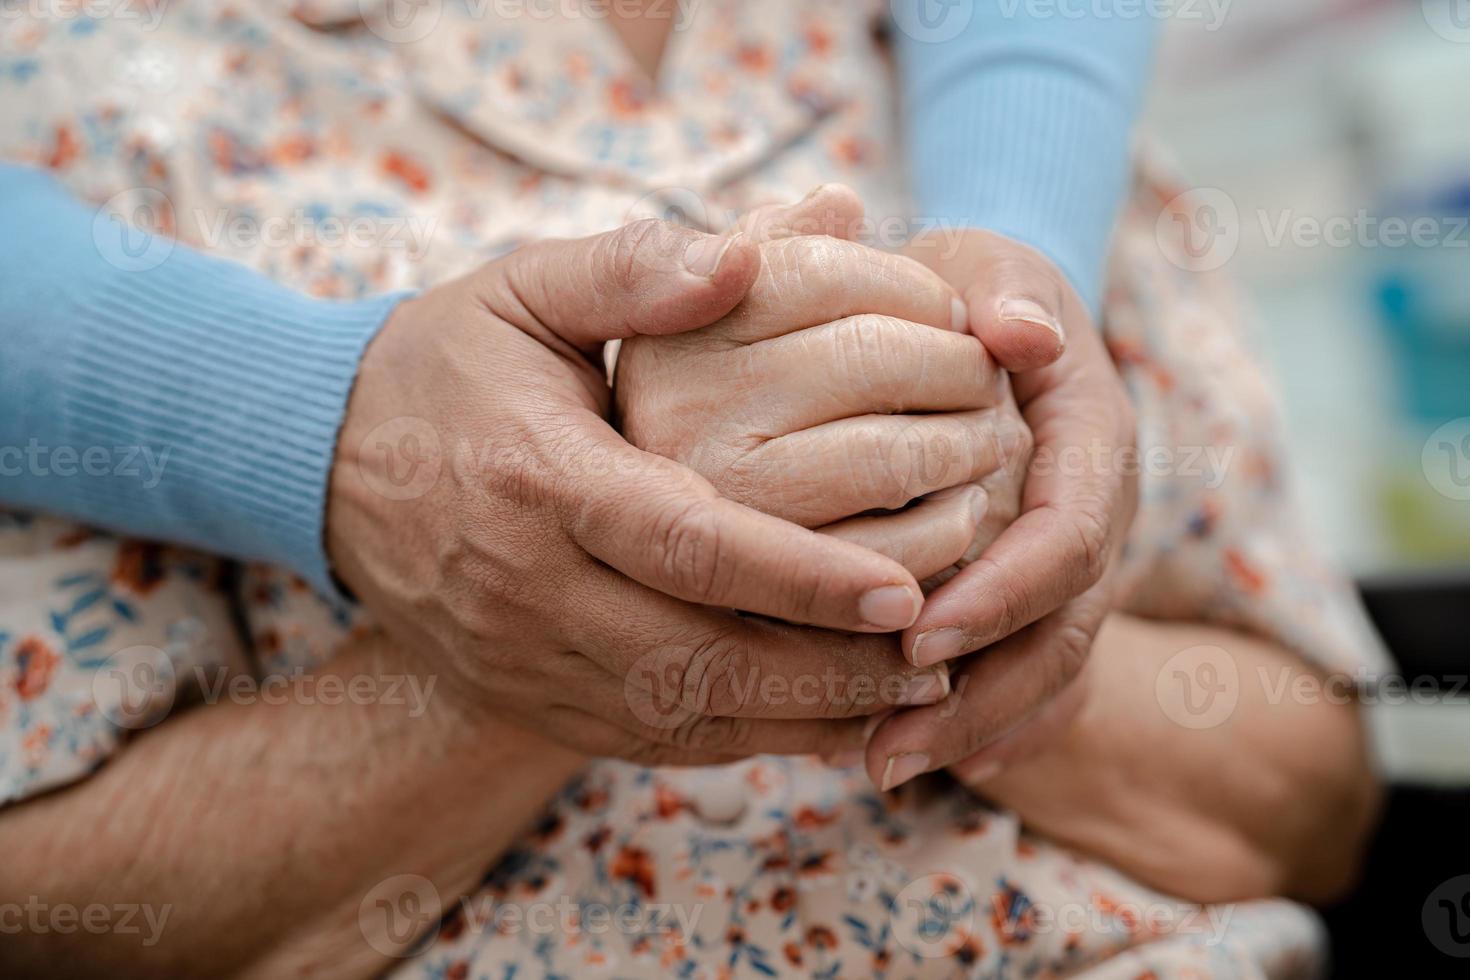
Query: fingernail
x,y
850,759
937,646
930,687
893,607
1033,315
873,723
959,316
903,767
703,257
983,774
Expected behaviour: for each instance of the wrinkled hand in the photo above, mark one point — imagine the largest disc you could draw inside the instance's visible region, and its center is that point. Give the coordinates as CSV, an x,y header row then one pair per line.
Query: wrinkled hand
x,y
837,387
1277,798
1036,597
483,509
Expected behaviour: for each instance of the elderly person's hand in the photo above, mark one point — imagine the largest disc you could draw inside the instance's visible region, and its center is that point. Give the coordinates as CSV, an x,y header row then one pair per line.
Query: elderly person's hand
x,y
1269,796
483,509
1036,597
839,387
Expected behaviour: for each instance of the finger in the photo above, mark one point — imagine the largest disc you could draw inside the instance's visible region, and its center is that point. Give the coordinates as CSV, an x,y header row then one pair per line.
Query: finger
x,y
992,695
864,363
648,277
835,210
665,526
717,664
928,537
1047,728
691,740
816,279
873,462
1014,304
1074,516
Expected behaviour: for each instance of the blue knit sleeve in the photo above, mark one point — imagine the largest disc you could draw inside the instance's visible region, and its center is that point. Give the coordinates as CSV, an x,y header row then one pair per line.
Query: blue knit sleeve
x,y
1019,118
157,392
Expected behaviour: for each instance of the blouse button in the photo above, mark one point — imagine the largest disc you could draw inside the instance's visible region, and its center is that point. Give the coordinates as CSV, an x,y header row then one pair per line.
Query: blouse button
x,y
720,801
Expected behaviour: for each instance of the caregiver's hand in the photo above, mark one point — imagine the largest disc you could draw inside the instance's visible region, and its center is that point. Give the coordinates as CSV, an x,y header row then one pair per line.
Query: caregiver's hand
x,y
840,385
1036,597
483,509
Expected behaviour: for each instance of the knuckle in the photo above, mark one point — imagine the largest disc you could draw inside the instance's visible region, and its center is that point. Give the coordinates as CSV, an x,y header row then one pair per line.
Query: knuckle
x,y
715,673
704,734
866,349
1012,602
888,464
1072,646
626,251
1093,544
686,540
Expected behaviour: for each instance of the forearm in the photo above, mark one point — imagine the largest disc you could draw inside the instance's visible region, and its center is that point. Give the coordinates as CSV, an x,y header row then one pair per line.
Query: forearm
x,y
161,393
259,829
1274,796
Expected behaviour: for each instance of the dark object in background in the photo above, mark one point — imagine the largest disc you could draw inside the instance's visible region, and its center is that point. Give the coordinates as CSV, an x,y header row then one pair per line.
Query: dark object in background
x,y
1423,844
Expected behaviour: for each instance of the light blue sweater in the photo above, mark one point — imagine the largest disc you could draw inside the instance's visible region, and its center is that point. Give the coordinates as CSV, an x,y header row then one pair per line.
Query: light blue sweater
x,y
151,390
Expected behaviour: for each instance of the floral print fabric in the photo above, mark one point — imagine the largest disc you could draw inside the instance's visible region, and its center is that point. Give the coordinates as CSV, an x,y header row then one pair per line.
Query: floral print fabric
x,y
246,127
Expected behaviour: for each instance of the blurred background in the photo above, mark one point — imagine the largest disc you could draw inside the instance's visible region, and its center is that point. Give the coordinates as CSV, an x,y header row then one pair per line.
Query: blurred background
x,y
1328,142
1323,120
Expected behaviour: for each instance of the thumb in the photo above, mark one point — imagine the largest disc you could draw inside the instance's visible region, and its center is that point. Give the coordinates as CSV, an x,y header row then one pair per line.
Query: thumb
x,y
1015,308
648,277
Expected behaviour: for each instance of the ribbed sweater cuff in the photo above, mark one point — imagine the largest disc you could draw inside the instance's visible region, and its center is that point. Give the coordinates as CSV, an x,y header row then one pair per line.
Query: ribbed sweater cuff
x,y
1031,142
235,385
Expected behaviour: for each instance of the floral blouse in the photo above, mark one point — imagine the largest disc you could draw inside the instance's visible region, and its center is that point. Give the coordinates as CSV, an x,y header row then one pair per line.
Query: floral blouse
x,y
457,138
